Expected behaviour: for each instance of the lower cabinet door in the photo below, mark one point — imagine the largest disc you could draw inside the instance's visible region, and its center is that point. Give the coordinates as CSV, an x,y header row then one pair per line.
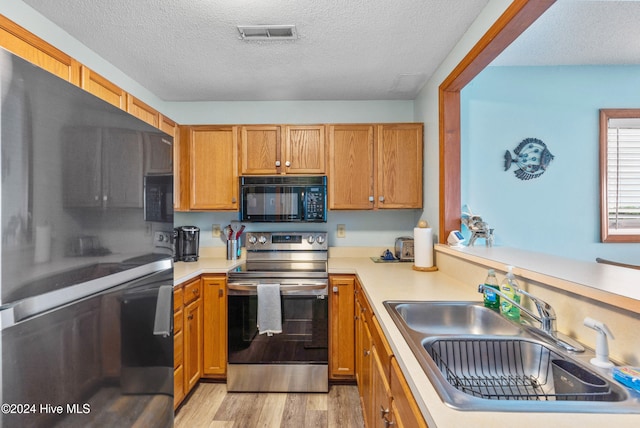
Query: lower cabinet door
x,y
193,344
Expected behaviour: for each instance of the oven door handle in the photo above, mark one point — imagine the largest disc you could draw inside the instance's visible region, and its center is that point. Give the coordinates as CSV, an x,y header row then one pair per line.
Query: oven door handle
x,y
301,286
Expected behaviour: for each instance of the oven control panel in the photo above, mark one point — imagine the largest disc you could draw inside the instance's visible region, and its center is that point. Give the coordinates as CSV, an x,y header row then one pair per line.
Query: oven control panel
x,y
286,241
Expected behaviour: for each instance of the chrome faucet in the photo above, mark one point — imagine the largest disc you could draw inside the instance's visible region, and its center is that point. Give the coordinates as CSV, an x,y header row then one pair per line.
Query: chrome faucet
x,y
546,316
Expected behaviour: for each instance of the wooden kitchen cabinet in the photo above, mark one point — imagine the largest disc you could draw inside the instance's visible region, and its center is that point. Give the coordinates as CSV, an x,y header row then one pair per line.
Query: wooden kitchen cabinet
x,y
382,415
342,327
260,147
193,323
375,166
404,406
351,167
364,360
143,111
212,156
35,50
102,88
384,392
304,149
178,347
399,181
282,149
215,326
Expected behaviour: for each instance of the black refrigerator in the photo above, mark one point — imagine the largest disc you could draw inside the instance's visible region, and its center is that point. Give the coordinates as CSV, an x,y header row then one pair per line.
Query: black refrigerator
x,y
86,311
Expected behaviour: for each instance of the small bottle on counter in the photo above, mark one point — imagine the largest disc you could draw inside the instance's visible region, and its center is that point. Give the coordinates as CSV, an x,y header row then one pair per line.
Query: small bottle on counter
x,y
508,288
491,299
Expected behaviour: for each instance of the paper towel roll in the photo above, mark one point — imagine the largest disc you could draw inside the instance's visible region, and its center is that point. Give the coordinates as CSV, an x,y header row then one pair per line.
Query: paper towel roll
x,y
43,244
423,247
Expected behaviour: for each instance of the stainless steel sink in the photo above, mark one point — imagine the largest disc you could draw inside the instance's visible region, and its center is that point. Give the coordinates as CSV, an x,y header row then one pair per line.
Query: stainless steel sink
x,y
478,360
454,318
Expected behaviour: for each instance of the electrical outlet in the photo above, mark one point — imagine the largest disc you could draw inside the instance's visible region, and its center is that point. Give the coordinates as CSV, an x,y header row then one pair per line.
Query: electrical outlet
x,y
215,230
342,231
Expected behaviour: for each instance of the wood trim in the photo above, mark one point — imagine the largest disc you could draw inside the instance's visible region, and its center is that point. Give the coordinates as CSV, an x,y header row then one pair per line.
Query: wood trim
x,y
605,115
513,22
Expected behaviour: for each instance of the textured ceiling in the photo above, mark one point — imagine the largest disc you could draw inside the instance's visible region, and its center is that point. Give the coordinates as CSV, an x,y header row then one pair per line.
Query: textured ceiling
x,y
578,32
190,50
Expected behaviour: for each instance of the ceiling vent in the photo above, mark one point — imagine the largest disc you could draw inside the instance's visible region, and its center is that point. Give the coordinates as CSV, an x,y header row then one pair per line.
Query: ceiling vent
x,y
268,32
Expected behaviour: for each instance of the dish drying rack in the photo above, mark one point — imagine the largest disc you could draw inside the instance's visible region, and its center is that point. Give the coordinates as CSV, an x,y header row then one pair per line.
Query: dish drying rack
x,y
513,370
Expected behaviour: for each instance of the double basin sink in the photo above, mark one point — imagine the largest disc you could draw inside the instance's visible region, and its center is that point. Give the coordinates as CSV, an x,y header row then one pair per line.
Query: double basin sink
x,y
478,360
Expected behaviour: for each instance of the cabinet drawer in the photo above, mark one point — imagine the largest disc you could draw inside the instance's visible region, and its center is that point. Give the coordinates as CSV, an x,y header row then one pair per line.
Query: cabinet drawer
x,y
192,291
178,299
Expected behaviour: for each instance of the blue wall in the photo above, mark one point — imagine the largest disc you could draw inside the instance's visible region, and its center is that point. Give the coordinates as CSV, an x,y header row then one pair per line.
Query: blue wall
x,y
558,212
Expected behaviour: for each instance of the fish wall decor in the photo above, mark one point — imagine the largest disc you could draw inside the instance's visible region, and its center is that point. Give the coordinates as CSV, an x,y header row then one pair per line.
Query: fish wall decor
x,y
531,158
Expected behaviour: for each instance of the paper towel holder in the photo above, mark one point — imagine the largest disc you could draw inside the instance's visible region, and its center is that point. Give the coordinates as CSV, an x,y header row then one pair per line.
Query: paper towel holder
x,y
423,225
425,269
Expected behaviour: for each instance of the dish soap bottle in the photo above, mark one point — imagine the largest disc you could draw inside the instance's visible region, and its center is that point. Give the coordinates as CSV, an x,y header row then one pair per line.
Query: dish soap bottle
x,y
509,287
491,299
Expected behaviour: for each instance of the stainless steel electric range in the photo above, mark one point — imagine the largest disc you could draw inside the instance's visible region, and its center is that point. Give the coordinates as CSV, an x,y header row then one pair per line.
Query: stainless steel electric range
x,y
295,359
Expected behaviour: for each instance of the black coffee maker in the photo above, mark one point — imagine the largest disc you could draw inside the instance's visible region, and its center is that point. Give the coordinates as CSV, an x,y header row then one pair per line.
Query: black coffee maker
x,y
188,242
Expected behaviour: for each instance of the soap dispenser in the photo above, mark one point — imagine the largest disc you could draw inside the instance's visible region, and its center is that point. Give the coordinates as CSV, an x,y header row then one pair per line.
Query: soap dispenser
x,y
509,288
602,347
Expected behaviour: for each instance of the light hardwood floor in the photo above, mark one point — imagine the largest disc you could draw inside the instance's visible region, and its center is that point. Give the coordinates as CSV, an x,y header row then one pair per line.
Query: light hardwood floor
x,y
210,405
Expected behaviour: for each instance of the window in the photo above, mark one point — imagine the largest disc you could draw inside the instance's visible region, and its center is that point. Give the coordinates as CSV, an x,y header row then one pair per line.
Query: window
x,y
620,175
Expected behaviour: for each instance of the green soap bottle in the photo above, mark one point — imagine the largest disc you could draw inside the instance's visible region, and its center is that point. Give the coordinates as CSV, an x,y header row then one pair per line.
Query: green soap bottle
x,y
508,288
491,299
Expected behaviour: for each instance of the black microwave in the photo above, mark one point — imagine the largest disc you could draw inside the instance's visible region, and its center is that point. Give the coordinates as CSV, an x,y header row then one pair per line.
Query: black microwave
x,y
283,199
158,198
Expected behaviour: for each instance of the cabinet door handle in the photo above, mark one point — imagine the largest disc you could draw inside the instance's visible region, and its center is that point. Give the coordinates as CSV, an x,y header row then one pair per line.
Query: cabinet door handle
x,y
190,317
383,412
233,200
370,198
335,289
367,353
220,292
388,423
287,163
381,198
277,163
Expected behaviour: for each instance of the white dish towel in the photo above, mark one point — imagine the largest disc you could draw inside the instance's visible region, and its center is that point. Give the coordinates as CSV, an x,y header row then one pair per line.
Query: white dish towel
x,y
269,312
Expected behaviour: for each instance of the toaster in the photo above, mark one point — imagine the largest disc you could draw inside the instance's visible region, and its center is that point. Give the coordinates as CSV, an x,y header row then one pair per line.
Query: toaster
x,y
404,249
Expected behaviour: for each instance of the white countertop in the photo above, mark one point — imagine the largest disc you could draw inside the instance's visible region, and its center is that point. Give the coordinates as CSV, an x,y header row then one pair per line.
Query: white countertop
x,y
398,281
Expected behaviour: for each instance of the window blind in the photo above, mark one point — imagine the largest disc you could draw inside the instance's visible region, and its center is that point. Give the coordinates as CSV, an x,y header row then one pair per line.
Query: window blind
x,y
623,177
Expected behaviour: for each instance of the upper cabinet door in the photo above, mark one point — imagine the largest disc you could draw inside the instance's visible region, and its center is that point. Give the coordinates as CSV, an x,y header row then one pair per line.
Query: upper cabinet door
x,y
304,150
143,111
400,165
35,50
97,85
260,152
351,167
213,154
